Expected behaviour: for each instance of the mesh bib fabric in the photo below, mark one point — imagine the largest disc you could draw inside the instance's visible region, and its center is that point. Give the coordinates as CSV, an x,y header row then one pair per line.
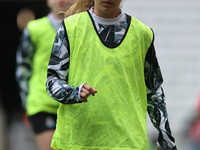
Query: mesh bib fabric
x,y
42,35
115,118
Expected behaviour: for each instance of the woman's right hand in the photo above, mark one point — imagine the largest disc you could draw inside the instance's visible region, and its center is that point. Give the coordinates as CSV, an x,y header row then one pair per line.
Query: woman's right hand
x,y
86,91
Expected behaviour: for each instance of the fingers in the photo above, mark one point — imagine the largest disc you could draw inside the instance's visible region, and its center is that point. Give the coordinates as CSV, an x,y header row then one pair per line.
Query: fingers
x,y
86,91
83,99
89,89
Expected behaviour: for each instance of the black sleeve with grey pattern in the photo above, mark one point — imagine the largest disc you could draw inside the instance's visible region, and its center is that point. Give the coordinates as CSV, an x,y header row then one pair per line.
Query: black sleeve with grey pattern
x,y
24,58
156,101
58,69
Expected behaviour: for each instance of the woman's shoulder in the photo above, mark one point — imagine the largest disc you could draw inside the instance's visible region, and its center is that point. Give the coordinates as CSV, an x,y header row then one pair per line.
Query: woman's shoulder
x,y
75,16
137,22
38,22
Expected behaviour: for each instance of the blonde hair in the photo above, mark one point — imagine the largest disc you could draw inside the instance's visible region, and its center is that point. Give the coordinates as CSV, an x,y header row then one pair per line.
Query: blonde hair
x,y
79,6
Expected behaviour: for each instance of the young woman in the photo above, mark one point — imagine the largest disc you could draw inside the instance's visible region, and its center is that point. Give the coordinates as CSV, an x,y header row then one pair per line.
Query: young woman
x,y
32,62
106,58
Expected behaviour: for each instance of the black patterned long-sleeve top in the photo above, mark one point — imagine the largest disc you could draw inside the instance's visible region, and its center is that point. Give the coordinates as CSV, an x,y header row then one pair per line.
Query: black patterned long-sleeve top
x,y
24,58
57,77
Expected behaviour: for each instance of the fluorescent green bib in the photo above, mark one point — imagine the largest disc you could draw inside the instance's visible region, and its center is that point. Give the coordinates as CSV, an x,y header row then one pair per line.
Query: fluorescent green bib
x,y
115,118
42,35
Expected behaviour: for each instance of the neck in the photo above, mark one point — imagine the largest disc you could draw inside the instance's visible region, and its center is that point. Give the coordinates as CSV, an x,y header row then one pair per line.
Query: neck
x,y
114,14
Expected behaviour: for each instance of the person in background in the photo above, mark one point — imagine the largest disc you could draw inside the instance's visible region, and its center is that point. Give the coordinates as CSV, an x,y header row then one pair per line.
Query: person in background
x,y
194,127
31,68
104,71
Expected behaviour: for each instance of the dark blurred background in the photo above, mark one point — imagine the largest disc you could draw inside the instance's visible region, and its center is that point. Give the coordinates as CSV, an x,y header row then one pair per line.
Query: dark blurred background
x,y
14,15
10,11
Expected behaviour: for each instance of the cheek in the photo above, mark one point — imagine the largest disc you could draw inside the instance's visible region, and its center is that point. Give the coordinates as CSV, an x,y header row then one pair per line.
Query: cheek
x,y
97,2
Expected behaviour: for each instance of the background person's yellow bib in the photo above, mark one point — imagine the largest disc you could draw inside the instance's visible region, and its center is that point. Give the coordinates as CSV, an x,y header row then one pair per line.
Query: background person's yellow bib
x,y
42,35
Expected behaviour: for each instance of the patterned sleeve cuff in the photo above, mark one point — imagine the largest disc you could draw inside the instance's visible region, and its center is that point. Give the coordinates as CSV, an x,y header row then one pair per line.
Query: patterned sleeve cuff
x,y
166,144
160,148
79,92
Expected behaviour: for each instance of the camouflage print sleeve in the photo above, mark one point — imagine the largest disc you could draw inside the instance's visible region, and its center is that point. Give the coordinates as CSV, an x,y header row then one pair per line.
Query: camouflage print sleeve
x,y
156,101
24,57
58,69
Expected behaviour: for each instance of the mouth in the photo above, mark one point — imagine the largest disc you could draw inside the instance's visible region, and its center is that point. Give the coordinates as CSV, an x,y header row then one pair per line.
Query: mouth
x,y
107,3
